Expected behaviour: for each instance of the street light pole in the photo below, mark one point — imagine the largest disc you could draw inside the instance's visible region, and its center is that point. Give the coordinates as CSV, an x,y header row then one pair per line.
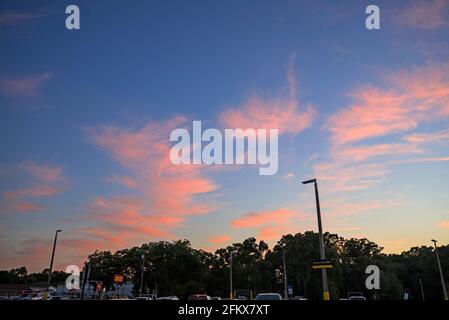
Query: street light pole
x,y
441,270
86,275
422,290
320,233
285,275
51,261
230,274
141,277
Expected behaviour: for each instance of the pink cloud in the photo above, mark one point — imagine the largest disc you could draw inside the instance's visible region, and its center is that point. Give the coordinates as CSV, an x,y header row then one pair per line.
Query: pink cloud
x,y
345,176
443,224
14,18
25,86
415,96
275,232
257,219
35,253
164,195
376,112
270,224
425,14
433,137
34,190
364,152
407,100
128,182
41,172
283,112
41,182
220,239
339,208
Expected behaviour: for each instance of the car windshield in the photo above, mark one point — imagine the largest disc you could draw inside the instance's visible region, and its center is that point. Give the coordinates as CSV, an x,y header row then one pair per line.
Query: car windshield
x,y
267,297
198,297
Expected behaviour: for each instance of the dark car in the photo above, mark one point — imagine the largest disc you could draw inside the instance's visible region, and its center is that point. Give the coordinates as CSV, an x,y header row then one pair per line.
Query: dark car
x,y
199,297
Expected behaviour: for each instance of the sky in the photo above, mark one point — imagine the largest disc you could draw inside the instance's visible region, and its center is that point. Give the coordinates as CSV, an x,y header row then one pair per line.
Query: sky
x,y
86,116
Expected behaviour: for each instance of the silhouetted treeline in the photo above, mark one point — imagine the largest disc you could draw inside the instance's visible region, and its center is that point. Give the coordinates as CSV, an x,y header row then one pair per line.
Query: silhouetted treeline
x,y
175,268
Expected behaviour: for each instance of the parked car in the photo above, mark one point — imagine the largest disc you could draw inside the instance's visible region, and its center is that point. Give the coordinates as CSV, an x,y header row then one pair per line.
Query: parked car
x,y
359,298
168,298
268,296
356,296
58,298
199,297
144,298
299,298
31,296
215,298
18,297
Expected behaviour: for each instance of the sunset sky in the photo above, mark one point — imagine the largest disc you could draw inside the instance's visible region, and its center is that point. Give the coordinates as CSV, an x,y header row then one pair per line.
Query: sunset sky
x,y
86,115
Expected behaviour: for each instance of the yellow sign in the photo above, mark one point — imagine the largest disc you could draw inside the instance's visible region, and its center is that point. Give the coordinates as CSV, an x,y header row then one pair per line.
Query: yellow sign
x,y
322,266
118,278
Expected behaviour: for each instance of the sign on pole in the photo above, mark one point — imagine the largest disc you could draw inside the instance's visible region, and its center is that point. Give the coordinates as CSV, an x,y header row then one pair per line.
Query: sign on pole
x,y
290,289
322,264
118,278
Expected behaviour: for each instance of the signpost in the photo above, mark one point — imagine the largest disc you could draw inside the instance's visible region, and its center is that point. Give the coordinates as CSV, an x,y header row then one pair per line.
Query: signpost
x,y
118,278
322,264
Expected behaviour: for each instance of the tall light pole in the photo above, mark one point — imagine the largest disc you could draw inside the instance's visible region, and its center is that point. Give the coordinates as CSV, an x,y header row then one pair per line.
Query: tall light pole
x,y
86,274
230,275
320,232
285,275
51,261
441,270
141,277
422,290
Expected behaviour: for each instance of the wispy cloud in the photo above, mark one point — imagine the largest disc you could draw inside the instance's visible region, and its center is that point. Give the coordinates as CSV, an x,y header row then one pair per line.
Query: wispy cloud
x,y
14,18
283,112
35,253
270,224
29,86
219,239
340,208
443,224
407,100
256,219
164,195
428,14
438,137
41,181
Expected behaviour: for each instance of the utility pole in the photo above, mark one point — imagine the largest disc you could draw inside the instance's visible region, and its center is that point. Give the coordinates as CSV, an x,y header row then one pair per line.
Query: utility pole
x,y
441,270
51,264
231,294
285,276
320,232
85,279
141,277
422,290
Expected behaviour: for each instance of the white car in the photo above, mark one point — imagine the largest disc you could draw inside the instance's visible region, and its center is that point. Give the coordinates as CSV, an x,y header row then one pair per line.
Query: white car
x,y
168,298
268,296
359,298
38,296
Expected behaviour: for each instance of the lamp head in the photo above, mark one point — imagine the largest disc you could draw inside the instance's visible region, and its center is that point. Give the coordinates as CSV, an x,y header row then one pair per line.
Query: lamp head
x,y
309,181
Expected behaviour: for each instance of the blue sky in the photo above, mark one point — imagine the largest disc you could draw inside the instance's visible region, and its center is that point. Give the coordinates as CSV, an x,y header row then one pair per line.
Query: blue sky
x,y
76,105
